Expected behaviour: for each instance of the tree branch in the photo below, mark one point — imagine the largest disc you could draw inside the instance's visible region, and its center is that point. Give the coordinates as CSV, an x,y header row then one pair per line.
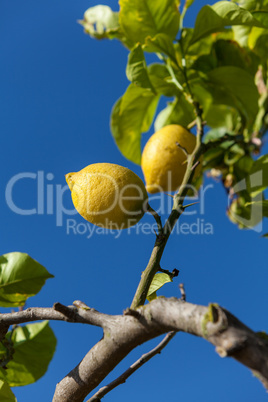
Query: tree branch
x,y
134,367
123,333
59,312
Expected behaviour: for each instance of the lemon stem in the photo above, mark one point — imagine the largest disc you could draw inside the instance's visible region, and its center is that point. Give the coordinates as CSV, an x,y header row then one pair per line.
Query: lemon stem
x,y
163,235
178,199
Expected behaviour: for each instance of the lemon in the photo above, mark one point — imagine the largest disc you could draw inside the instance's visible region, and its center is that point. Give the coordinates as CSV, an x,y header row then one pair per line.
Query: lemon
x,y
163,162
108,195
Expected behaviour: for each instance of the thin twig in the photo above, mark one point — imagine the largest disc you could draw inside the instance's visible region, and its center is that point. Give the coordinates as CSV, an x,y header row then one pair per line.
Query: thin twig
x,y
191,125
134,367
182,290
172,274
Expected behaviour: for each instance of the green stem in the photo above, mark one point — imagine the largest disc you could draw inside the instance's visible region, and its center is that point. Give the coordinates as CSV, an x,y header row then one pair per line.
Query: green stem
x,y
162,238
173,76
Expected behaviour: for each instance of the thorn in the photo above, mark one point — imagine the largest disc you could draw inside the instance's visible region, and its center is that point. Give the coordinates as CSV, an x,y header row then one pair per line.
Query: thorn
x,y
191,125
170,195
190,205
184,150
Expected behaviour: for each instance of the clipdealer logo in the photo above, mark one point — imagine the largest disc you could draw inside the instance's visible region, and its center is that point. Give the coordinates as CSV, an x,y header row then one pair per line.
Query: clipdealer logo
x,y
48,196
48,199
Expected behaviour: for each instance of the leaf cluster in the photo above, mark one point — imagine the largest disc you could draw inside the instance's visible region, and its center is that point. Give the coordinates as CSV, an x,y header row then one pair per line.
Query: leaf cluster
x,y
25,351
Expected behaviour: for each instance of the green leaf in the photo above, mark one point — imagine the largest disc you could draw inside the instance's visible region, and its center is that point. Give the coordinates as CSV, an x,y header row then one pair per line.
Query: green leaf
x,y
258,41
158,281
178,112
131,116
188,3
137,70
6,395
265,235
223,13
261,16
20,278
232,82
203,46
253,4
229,53
142,18
241,33
161,80
34,346
222,116
161,43
153,296
259,176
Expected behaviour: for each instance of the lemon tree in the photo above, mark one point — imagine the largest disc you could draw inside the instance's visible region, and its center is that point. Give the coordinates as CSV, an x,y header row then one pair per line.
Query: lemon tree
x,y
214,80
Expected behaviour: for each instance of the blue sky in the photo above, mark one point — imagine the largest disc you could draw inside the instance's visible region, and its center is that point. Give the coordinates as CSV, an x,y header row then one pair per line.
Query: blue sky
x,y
57,90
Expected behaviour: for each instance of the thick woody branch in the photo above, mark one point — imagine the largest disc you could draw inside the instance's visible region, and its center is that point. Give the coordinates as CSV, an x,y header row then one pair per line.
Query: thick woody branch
x,y
123,333
58,312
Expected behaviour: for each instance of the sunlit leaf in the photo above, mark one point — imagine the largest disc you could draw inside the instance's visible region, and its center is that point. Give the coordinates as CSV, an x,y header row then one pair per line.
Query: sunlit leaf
x,y
158,281
6,395
161,80
131,116
20,278
136,70
252,4
188,3
222,116
241,33
201,47
151,297
223,13
161,43
258,41
142,18
34,346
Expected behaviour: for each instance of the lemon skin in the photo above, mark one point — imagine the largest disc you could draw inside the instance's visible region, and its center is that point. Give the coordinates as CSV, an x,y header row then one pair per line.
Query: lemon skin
x,y
108,195
163,162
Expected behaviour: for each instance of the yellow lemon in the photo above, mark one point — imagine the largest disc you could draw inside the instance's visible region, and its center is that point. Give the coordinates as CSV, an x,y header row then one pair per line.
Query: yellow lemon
x,y
108,195
163,162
